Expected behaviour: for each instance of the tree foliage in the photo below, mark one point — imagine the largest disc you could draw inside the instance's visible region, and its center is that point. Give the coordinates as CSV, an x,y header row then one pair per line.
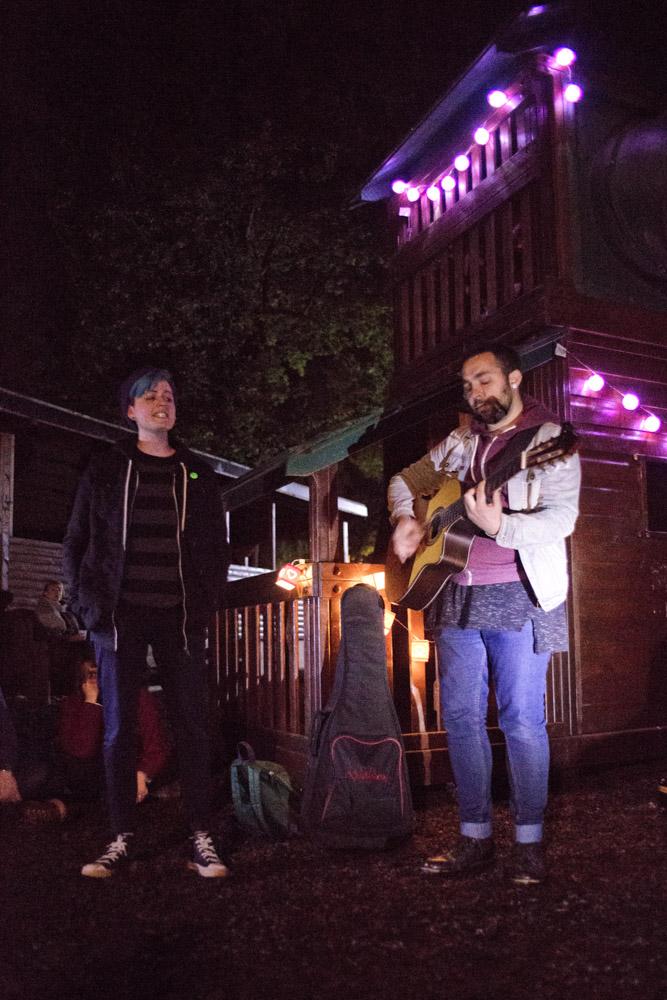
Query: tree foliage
x,y
263,292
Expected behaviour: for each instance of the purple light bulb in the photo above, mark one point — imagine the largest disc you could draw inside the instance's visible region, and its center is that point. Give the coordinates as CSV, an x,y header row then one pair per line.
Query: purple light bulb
x,y
573,93
564,57
497,98
651,423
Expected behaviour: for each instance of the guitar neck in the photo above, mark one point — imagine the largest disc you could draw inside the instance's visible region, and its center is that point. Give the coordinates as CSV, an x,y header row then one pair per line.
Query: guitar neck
x,y
493,483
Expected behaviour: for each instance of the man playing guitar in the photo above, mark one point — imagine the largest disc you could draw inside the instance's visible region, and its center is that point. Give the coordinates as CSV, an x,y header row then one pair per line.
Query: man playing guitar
x,y
503,614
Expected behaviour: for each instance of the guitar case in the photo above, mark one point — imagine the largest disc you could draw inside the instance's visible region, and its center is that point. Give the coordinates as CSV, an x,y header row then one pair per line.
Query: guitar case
x,y
356,792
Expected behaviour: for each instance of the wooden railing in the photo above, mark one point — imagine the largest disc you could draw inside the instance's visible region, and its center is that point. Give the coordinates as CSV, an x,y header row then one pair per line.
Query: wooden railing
x,y
273,656
511,134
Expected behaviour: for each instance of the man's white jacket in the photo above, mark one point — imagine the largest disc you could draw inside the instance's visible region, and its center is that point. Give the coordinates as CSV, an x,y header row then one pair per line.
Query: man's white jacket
x,y
543,502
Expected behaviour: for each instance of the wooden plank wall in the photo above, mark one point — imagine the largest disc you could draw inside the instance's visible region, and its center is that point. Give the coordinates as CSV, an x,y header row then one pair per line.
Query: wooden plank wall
x,y
620,600
31,563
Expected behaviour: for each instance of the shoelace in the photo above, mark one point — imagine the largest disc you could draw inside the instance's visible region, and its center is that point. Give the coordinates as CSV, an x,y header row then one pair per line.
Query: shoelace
x,y
116,849
204,847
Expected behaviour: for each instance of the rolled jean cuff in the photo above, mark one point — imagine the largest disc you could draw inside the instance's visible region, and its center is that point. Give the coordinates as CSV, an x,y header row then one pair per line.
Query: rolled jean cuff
x,y
479,831
528,833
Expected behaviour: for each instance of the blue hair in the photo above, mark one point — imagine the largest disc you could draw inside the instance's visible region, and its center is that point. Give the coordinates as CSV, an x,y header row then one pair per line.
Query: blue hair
x,y
147,381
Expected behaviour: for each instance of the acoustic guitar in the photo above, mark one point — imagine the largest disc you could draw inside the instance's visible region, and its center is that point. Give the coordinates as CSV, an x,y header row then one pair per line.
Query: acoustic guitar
x,y
448,534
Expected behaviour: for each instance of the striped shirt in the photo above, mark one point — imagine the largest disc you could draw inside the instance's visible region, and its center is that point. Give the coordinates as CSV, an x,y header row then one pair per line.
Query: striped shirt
x,y
151,576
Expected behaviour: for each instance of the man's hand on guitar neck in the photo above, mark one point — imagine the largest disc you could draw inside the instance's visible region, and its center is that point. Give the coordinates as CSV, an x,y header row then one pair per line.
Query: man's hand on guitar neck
x,y
485,514
408,533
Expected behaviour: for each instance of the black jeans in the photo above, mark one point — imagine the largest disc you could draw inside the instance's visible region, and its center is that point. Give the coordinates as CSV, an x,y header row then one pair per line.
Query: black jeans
x,y
182,672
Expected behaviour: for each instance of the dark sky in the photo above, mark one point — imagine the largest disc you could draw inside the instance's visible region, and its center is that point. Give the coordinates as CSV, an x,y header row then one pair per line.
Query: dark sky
x,y
93,84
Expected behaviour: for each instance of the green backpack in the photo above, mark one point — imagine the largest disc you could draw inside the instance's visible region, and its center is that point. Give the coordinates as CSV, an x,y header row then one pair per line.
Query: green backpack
x,y
265,800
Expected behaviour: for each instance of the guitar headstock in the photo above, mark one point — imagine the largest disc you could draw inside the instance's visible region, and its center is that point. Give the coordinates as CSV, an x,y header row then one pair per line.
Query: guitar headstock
x,y
556,449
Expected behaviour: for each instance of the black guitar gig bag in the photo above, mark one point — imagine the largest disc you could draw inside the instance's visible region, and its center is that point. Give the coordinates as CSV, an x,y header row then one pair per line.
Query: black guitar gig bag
x,y
356,792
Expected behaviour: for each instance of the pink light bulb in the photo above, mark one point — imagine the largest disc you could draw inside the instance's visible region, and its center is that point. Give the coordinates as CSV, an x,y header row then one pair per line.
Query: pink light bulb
x,y
564,57
594,383
651,423
482,136
497,98
432,193
398,186
462,162
630,401
412,194
573,93
448,183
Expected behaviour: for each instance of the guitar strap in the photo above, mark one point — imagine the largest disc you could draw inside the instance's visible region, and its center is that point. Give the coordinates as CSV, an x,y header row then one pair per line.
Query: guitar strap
x,y
512,450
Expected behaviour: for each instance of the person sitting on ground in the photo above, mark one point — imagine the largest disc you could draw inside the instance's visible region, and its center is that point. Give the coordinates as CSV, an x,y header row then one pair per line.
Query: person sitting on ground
x,y
9,789
27,770
67,644
53,616
81,733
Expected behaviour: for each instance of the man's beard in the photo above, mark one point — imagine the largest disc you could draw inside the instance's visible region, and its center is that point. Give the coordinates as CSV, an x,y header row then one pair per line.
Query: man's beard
x,y
492,411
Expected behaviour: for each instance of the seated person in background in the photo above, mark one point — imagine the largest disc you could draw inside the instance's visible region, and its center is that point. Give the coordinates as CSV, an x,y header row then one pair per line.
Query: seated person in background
x,y
9,790
52,614
26,760
81,733
60,628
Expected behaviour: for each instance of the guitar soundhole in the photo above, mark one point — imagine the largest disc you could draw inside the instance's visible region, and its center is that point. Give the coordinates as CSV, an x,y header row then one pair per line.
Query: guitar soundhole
x,y
436,524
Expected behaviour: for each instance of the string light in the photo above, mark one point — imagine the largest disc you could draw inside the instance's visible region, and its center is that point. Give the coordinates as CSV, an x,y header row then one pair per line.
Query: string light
x,y
291,575
594,382
419,650
497,98
651,423
398,186
573,93
412,193
482,136
564,57
462,162
432,193
448,183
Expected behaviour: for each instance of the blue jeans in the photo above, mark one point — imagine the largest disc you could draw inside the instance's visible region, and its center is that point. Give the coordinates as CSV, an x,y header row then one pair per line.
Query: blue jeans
x,y
465,658
183,677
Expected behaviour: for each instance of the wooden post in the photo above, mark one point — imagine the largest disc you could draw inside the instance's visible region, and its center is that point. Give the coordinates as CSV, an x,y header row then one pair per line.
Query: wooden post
x,y
6,504
323,516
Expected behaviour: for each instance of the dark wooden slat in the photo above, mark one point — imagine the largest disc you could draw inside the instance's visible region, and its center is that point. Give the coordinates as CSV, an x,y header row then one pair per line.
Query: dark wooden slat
x,y
445,292
526,229
279,641
476,165
507,254
430,331
404,322
490,261
522,134
459,318
505,140
473,252
293,662
417,314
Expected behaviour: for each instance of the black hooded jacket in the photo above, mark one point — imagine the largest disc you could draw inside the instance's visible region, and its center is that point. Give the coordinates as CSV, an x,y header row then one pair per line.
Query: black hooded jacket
x,y
94,545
